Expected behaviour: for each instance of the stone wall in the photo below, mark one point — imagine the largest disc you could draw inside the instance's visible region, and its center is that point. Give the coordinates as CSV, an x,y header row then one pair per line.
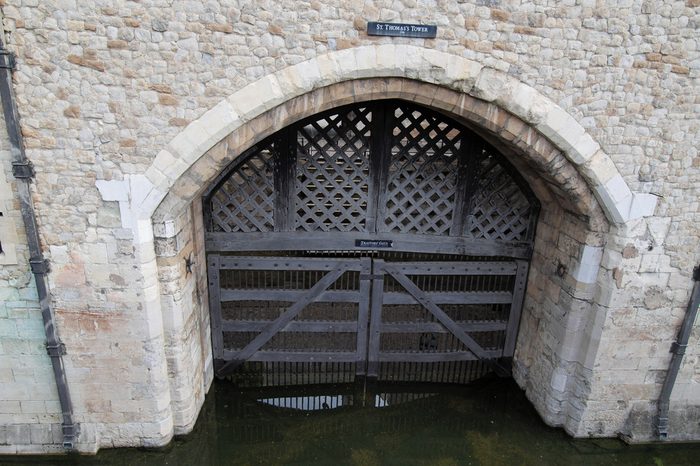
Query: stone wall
x,y
29,409
104,87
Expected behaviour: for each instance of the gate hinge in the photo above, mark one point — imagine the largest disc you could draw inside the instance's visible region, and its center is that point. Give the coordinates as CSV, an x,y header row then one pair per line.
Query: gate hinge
x,y
22,170
39,266
696,274
55,350
677,348
7,60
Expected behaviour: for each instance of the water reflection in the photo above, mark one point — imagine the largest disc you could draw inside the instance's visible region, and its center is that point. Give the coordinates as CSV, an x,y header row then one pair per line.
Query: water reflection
x,y
339,396
487,423
308,403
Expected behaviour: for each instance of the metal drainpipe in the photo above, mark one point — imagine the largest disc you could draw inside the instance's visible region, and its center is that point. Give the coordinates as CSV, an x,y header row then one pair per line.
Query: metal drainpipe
x,y
23,172
678,350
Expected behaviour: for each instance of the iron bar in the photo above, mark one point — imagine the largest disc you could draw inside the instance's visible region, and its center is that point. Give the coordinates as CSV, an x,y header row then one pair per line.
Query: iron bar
x,y
678,350
24,172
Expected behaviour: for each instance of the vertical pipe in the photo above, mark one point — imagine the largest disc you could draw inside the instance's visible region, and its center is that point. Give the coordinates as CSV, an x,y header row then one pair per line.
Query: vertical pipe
x,y
678,350
23,172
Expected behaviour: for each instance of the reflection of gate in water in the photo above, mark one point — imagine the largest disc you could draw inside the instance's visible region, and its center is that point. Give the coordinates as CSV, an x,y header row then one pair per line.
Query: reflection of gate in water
x,y
380,239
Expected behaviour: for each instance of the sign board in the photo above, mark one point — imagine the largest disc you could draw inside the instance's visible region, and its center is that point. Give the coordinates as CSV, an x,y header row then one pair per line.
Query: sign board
x,y
374,243
401,30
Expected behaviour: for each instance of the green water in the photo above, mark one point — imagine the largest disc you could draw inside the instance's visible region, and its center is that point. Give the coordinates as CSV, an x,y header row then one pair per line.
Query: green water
x,y
488,423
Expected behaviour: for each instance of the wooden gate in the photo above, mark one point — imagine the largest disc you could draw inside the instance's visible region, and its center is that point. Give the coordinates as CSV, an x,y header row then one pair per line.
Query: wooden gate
x,y
328,212
341,317
288,310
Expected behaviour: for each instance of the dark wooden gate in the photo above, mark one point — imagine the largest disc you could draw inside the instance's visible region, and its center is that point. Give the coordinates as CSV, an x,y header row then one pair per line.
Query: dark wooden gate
x,y
314,235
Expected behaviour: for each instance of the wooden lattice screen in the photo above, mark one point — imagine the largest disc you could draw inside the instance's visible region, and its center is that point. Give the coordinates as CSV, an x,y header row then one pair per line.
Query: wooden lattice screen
x,y
386,168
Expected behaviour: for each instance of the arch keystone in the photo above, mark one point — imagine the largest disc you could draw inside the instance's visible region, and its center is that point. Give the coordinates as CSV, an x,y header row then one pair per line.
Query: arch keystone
x,y
387,63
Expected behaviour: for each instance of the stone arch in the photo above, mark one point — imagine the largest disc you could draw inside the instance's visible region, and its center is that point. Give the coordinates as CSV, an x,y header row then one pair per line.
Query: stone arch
x,y
556,154
482,94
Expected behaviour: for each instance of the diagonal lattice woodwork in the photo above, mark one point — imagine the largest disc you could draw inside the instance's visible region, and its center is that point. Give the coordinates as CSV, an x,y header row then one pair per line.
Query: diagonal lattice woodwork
x,y
245,201
499,209
379,168
333,172
329,202
422,173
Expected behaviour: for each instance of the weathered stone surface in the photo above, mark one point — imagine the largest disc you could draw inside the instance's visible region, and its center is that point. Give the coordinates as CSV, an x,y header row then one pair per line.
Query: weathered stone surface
x,y
126,103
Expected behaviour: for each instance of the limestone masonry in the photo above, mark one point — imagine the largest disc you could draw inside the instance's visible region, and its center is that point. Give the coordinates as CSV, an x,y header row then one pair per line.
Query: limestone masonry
x,y
129,110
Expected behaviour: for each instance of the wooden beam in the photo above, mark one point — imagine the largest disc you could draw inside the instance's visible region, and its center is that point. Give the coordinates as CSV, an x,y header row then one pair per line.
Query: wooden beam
x,y
425,301
282,320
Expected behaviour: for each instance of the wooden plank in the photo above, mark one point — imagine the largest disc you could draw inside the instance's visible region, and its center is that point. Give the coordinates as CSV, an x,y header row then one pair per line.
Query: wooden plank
x,y
262,294
473,297
456,268
282,320
342,241
292,356
294,326
217,340
436,311
375,318
435,327
516,308
434,357
284,178
363,316
466,183
285,263
377,157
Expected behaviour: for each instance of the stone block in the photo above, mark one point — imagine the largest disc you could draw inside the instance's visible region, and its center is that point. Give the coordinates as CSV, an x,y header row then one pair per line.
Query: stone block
x,y
599,168
40,434
520,101
492,85
366,62
299,79
559,380
256,98
643,205
329,69
586,270
565,133
113,190
18,434
386,60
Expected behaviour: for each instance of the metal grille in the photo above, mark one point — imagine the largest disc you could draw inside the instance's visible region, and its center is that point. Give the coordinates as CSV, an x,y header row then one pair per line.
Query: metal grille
x,y
245,201
422,174
500,210
333,172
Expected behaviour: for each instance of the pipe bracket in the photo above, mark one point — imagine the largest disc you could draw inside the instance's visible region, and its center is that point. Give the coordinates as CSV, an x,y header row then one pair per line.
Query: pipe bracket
x,y
7,60
23,170
678,348
55,350
39,266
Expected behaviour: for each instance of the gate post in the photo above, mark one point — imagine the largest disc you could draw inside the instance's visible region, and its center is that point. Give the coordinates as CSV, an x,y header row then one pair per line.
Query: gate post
x,y
375,322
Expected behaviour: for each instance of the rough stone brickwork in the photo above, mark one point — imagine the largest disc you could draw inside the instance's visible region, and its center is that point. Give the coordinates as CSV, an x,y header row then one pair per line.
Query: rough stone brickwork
x,y
29,409
127,104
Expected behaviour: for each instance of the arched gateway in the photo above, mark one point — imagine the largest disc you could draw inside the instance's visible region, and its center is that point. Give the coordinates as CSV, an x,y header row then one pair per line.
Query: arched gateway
x,y
379,238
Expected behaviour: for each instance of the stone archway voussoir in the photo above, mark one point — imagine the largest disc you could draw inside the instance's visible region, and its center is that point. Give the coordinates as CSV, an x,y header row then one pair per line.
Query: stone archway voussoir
x,y
403,61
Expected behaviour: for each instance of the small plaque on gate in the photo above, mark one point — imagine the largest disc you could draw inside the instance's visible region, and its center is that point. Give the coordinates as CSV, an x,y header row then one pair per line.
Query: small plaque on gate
x,y
374,243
